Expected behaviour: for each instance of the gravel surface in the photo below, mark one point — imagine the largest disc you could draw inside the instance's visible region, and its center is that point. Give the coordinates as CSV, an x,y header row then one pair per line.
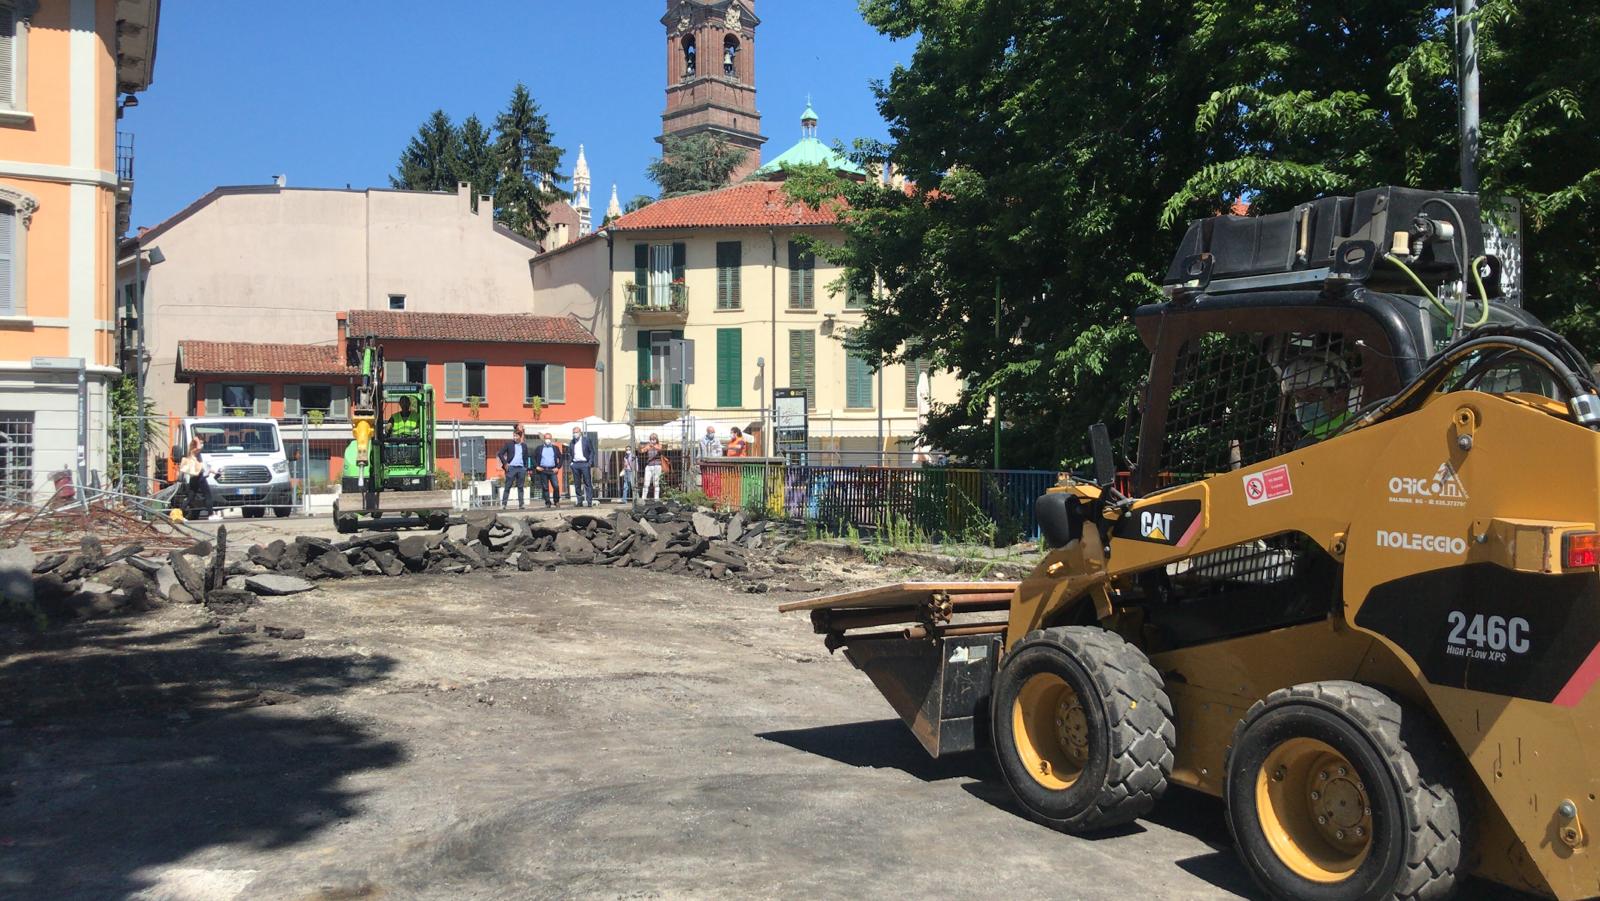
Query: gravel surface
x,y
588,732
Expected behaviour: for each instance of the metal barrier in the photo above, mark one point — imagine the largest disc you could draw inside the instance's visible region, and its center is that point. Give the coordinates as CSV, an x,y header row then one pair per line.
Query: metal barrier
x,y
937,501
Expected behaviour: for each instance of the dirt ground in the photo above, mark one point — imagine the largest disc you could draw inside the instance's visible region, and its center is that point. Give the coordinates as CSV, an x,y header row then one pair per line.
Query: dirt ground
x,y
588,732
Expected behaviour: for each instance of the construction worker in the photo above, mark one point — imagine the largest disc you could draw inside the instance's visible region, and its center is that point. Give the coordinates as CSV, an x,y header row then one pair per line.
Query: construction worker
x,y
1319,386
404,422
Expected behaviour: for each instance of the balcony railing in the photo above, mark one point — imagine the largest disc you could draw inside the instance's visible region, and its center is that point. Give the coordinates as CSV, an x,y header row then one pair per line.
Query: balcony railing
x,y
124,156
673,298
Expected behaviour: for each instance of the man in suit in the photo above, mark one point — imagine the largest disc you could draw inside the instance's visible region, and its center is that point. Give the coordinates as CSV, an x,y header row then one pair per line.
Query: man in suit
x,y
514,458
547,460
580,457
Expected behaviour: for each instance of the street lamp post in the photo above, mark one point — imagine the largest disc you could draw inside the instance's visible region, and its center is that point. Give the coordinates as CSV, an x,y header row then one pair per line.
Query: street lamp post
x,y
140,368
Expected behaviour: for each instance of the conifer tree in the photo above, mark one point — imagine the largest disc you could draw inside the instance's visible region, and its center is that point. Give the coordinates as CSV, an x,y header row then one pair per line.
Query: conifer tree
x,y
431,160
530,163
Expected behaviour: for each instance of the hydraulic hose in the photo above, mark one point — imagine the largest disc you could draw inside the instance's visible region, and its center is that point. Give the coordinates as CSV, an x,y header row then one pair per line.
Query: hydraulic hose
x,y
1423,288
1581,399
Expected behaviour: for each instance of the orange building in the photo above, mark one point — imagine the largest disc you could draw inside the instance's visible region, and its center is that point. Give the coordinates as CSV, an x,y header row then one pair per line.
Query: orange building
x,y
65,193
488,373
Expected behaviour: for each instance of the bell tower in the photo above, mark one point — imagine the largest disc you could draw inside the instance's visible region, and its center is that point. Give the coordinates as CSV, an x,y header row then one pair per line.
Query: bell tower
x,y
711,75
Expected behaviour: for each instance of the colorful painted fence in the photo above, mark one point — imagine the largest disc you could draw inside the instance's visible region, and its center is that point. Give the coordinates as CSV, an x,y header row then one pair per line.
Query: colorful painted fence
x,y
939,501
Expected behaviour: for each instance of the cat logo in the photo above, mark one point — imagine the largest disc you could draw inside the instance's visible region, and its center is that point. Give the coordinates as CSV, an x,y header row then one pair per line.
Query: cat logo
x,y
1155,526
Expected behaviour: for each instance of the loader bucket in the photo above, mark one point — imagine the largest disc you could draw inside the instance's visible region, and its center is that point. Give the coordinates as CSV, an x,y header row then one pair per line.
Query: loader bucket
x,y
939,686
936,668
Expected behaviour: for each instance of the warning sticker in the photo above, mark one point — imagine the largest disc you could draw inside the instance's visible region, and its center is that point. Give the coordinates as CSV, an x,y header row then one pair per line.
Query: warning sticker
x,y
1267,486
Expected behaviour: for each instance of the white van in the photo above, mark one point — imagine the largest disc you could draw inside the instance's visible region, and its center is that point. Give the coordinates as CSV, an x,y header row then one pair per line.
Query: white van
x,y
250,466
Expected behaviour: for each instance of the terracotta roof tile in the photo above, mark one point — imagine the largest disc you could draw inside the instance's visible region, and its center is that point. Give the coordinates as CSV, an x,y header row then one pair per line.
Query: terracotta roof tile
x,y
512,328
757,203
226,357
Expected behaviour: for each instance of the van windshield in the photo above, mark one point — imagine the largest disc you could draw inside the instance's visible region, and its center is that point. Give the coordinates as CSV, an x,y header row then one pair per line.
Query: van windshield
x,y
245,438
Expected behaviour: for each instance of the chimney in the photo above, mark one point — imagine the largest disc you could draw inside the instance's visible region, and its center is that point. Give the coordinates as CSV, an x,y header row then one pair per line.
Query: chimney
x,y
486,209
463,197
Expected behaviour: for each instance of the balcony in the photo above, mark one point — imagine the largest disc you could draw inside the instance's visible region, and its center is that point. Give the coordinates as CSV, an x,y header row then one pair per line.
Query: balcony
x,y
124,181
657,305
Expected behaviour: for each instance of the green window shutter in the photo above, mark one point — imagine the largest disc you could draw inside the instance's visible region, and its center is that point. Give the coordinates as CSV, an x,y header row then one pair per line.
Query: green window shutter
x,y
802,272
641,264
394,373
339,402
857,382
803,364
291,401
794,276
730,259
643,345
214,399
9,291
555,384
730,354
455,382
680,261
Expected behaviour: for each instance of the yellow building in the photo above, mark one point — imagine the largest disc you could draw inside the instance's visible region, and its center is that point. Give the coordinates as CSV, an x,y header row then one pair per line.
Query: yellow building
x,y
65,191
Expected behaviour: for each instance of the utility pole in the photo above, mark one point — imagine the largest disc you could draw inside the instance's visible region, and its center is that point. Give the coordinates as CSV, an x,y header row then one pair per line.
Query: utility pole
x,y
1467,78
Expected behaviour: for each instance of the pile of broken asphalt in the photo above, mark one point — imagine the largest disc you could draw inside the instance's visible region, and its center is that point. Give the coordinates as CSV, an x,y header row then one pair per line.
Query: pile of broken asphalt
x,y
664,537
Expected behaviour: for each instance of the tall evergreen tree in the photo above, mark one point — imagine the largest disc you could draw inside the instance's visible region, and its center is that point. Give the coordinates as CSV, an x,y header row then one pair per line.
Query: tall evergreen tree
x,y
430,162
530,165
477,162
694,163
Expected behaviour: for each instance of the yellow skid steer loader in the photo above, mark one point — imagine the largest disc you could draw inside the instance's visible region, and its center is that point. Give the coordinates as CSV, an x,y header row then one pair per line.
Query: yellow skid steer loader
x,y
1352,591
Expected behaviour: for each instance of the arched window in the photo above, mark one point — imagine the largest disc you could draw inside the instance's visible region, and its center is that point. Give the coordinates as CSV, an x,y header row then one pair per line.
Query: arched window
x,y
730,52
688,56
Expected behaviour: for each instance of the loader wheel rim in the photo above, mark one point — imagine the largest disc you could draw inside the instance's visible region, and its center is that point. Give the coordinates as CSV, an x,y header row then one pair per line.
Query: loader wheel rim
x,y
1314,810
1051,730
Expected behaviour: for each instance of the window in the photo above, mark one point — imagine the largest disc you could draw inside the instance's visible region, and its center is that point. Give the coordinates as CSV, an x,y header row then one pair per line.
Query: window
x,y
658,275
544,380
397,301
730,257
316,397
803,364
802,277
914,371
238,399
16,454
730,353
464,381
10,259
655,389
13,56
857,382
417,372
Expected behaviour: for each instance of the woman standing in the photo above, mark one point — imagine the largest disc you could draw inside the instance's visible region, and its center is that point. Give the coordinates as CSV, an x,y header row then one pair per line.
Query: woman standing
x,y
197,491
652,468
630,471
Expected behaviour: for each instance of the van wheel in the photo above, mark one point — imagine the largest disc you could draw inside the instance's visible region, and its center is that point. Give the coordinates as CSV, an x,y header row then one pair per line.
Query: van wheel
x,y
1082,728
1337,791
253,512
282,512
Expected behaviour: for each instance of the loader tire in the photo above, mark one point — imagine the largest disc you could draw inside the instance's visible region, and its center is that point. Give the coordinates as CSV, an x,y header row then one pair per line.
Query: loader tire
x,y
1082,728
1337,791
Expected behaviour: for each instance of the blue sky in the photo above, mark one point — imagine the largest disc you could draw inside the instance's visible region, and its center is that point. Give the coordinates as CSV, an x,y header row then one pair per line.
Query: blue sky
x,y
328,93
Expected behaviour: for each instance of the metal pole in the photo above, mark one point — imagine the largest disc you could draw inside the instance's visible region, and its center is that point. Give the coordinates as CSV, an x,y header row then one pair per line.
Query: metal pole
x,y
1467,68
880,413
305,463
83,422
138,368
997,390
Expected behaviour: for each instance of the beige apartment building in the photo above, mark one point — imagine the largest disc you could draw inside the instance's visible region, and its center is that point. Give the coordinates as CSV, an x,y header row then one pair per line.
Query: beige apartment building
x,y
270,263
728,270
67,69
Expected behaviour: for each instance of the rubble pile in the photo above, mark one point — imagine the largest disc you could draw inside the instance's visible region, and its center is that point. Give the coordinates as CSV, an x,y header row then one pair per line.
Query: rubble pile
x,y
89,582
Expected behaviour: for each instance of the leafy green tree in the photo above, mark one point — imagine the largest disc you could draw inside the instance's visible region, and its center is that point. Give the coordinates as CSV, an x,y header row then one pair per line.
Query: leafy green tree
x,y
530,163
1055,150
476,161
430,162
136,434
694,163
639,202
